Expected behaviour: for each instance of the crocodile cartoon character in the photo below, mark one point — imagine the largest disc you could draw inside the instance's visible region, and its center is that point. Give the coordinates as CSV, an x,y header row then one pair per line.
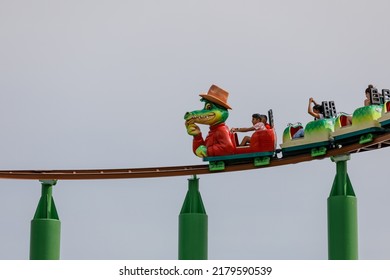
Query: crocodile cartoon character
x,y
219,141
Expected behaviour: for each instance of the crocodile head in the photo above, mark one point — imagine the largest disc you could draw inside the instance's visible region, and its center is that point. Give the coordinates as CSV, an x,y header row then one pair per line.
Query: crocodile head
x,y
211,114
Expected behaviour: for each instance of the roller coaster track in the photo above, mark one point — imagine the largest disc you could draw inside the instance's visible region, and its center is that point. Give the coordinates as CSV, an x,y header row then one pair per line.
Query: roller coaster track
x,y
379,142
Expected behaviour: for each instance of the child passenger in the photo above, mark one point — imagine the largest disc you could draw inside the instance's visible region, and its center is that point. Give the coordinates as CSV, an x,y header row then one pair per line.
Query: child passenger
x,y
259,123
317,111
367,101
314,109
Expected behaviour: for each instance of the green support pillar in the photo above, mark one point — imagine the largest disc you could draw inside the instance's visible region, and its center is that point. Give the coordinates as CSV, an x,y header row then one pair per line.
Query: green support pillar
x,y
342,215
193,225
45,227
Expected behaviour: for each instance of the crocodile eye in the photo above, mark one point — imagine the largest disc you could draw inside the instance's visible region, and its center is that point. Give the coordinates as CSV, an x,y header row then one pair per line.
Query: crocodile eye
x,y
208,106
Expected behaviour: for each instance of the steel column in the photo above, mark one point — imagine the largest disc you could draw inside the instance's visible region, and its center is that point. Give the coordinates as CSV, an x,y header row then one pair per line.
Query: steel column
x,y
342,215
193,225
45,226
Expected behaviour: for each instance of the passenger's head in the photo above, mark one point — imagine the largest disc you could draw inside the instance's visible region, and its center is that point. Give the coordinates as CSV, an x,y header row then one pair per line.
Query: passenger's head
x,y
264,118
368,90
256,118
318,109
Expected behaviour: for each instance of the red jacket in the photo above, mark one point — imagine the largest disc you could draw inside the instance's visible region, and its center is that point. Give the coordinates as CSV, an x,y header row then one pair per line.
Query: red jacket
x,y
218,141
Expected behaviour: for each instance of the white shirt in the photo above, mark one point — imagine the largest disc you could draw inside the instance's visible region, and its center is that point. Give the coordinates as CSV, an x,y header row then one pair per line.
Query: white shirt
x,y
259,126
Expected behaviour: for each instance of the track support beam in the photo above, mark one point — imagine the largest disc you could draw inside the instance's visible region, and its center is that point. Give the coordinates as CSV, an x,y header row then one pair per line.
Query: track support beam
x,y
45,226
342,215
193,222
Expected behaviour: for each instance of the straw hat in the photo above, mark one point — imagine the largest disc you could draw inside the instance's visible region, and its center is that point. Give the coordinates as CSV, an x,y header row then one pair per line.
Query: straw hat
x,y
217,95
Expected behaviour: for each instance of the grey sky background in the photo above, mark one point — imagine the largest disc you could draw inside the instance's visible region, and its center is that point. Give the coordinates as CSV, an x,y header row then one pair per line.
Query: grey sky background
x,y
105,84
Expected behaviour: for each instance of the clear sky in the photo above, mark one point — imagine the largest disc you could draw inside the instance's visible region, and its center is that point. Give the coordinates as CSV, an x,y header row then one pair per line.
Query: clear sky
x,y
105,84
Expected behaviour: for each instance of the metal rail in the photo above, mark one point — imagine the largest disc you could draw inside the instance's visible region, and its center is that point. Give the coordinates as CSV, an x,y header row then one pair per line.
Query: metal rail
x,y
379,142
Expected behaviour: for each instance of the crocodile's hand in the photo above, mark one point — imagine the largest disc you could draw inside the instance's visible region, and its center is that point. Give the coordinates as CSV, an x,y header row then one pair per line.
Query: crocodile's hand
x,y
192,128
201,151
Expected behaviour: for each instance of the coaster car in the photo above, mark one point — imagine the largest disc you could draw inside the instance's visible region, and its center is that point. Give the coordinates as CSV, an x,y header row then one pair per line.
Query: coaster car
x,y
316,137
364,126
260,150
383,99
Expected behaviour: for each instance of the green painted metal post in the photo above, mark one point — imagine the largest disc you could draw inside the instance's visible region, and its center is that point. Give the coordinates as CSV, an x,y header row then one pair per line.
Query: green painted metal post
x,y
45,227
193,225
342,215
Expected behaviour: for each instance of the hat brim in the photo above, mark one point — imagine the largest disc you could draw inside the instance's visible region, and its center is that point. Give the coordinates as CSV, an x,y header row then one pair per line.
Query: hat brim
x,y
215,100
